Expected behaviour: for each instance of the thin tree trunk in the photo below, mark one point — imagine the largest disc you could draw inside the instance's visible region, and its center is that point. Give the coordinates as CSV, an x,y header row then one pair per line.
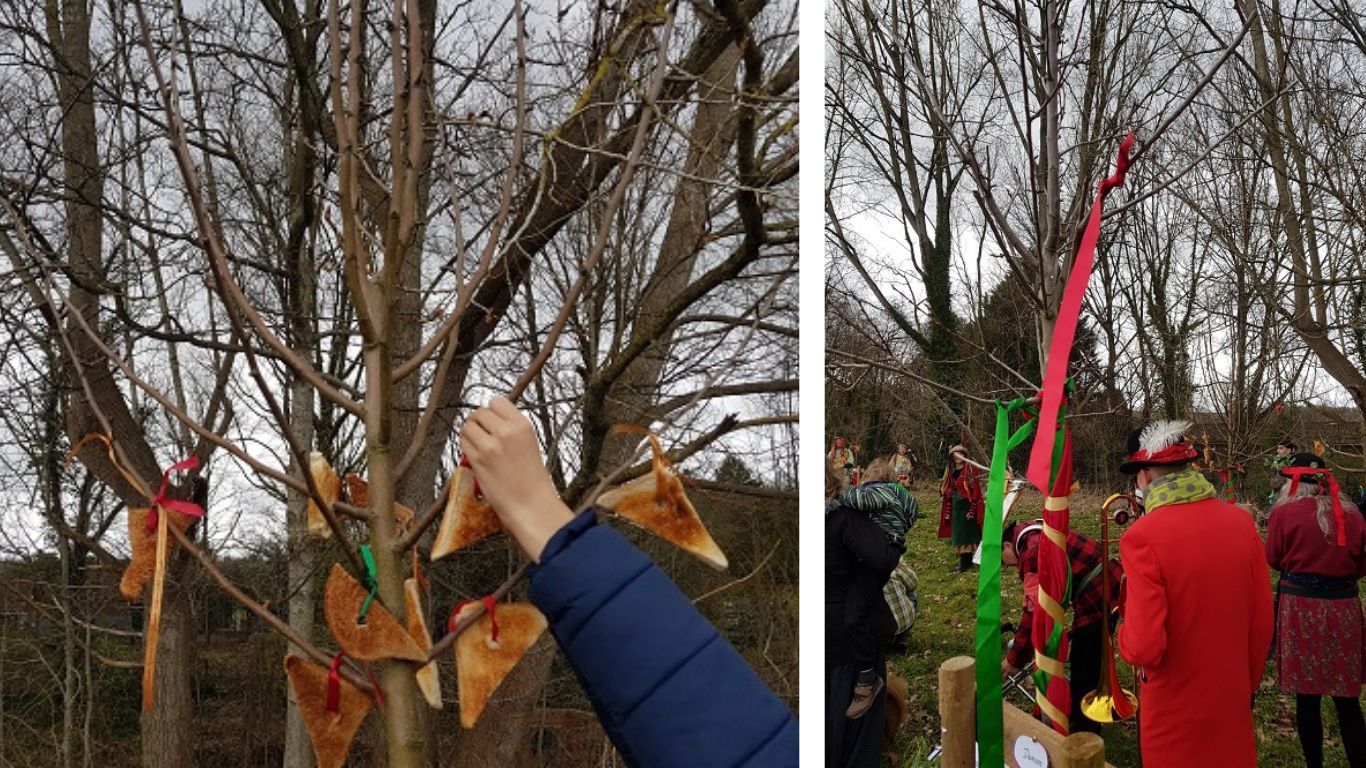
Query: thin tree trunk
x,y
70,678
168,734
86,751
302,559
403,704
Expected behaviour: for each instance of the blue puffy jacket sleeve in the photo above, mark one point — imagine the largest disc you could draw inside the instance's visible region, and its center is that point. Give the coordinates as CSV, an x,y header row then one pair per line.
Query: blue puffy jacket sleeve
x,y
669,690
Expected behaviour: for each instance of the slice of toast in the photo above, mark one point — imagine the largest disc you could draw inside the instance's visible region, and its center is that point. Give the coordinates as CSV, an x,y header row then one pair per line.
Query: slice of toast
x,y
658,503
142,562
466,519
358,493
428,677
330,732
381,637
329,487
481,663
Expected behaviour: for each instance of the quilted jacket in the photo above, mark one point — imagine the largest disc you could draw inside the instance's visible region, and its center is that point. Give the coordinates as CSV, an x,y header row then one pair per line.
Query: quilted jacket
x,y
669,690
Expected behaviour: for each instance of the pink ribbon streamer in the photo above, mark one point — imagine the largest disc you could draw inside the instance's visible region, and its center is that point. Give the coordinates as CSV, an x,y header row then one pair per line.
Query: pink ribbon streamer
x,y
183,507
1065,329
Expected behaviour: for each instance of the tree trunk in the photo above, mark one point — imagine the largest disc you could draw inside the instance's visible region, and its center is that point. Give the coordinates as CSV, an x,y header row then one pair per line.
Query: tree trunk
x,y
70,679
1309,313
168,733
98,400
635,393
403,712
301,304
302,558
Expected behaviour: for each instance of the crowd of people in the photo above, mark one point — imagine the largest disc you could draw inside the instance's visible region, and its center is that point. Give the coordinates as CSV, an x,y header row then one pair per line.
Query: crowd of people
x,y
1198,617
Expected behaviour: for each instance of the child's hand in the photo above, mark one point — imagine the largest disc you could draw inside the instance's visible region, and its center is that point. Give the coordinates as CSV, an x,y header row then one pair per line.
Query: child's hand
x,y
501,446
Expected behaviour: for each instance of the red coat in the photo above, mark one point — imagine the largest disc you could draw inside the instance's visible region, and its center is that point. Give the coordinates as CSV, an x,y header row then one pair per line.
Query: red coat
x,y
965,485
1197,619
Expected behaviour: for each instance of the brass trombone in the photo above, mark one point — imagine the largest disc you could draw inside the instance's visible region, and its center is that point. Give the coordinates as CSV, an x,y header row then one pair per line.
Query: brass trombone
x,y
1103,705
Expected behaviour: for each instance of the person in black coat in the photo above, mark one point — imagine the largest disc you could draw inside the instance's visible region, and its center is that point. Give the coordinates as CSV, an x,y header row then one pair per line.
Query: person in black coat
x,y
859,559
668,689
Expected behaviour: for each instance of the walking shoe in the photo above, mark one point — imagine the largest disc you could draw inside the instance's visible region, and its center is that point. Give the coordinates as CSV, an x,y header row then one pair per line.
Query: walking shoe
x,y
864,693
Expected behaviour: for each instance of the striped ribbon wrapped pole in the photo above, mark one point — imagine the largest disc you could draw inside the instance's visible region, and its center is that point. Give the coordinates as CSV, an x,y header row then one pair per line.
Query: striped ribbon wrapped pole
x,y
1055,593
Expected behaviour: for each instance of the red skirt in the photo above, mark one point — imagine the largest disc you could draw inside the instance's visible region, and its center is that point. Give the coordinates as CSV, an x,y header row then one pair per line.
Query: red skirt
x,y
1320,646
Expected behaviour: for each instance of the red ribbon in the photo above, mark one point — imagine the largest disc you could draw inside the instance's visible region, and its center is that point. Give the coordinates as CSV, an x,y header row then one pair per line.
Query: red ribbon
x,y
334,684
1065,329
183,507
489,603
1295,473
1169,455
465,462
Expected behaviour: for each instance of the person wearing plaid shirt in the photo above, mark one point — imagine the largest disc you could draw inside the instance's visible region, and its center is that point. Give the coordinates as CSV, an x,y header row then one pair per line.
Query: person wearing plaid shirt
x,y
1020,549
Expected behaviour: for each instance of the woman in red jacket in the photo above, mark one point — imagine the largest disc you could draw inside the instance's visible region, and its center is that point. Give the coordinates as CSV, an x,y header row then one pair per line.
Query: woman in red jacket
x,y
960,513
1317,540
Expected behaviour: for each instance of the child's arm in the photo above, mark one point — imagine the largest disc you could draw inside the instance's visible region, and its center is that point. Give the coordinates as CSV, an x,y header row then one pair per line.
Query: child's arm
x,y
502,449
669,690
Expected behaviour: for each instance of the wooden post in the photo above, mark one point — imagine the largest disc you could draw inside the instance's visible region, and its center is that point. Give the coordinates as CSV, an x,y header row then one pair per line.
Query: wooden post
x,y
958,712
958,727
1083,750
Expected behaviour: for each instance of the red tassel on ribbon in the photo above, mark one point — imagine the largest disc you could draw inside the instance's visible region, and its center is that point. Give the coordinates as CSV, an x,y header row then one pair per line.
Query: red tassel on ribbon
x,y
1065,329
183,507
1295,473
489,604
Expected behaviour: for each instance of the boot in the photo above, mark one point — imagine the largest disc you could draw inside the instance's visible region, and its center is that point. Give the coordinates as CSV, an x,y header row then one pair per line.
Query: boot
x,y
864,694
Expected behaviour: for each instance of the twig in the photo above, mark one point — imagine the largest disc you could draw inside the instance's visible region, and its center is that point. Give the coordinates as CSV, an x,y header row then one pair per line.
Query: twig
x,y
742,579
274,621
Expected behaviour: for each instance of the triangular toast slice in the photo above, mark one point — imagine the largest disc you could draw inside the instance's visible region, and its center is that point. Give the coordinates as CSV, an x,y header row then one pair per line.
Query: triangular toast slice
x,y
358,493
481,663
428,677
142,562
466,519
330,732
657,503
329,487
381,637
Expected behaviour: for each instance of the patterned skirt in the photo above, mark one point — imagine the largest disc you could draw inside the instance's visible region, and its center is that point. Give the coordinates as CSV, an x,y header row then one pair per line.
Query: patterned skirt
x,y
1320,646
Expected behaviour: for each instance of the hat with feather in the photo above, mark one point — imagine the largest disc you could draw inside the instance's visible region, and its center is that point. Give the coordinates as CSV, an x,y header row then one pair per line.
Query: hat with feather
x,y
1161,443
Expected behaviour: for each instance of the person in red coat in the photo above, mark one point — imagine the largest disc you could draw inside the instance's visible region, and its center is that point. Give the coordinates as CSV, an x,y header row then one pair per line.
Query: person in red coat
x,y
1196,620
960,511
1317,540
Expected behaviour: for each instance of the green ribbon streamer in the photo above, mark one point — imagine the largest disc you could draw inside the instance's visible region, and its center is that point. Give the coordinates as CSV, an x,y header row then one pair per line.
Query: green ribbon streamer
x,y
990,726
370,579
990,696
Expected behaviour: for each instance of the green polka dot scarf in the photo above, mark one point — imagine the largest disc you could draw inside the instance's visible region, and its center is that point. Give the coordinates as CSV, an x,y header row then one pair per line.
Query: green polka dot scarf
x,y
1178,488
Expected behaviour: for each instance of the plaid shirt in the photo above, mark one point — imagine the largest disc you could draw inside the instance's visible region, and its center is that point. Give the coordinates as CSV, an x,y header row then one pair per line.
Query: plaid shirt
x,y
900,593
1084,556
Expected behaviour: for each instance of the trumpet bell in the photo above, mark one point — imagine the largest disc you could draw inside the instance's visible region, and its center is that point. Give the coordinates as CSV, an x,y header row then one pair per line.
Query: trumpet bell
x,y
1100,707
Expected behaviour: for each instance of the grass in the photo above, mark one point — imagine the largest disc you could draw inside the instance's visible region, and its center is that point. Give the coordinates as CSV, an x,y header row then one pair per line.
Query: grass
x,y
945,629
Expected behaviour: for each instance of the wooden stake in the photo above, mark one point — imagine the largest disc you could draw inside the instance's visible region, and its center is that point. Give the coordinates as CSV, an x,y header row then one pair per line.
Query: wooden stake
x,y
957,712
